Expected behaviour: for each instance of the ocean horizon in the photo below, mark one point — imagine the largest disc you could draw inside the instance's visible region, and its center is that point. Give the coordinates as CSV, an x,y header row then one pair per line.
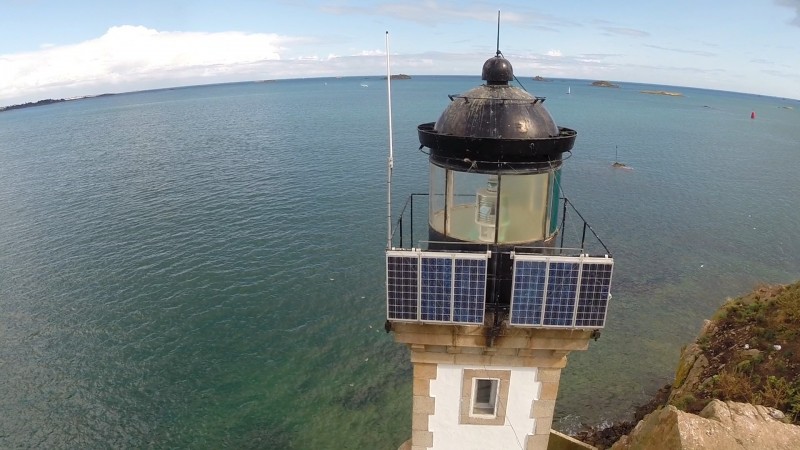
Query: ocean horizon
x,y
525,80
202,266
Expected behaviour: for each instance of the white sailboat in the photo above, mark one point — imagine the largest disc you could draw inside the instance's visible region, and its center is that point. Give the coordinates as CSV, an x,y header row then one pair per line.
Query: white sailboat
x,y
569,90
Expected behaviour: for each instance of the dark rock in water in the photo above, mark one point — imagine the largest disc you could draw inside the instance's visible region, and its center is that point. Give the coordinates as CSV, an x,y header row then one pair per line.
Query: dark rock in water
x,y
604,437
667,93
602,83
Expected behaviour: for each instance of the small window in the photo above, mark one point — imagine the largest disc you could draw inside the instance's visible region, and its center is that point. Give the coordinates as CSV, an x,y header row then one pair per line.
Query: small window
x,y
484,397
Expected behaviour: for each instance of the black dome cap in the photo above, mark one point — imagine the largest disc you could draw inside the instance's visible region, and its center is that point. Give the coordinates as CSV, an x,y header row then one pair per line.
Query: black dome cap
x,y
496,128
497,70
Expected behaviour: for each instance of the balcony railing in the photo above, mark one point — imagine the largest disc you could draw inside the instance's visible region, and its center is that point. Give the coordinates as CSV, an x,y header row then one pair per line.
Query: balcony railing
x,y
446,283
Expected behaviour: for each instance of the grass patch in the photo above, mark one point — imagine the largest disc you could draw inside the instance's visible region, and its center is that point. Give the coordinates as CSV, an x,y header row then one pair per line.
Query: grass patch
x,y
753,353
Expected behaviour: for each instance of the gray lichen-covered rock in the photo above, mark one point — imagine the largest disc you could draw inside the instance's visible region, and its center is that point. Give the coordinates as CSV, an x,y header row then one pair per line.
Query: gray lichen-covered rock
x,y
691,366
690,369
720,426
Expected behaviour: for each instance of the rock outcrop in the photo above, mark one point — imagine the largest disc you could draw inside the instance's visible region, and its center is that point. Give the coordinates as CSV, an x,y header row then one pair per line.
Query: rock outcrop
x,y
748,353
736,387
720,426
603,83
667,93
691,368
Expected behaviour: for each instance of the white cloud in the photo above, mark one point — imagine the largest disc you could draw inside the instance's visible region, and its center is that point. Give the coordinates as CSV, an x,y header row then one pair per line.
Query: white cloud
x,y
435,12
623,31
126,54
554,53
682,50
370,53
794,4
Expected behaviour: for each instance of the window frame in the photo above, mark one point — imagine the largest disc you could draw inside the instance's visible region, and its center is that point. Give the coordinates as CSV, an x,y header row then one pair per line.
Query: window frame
x,y
500,380
487,409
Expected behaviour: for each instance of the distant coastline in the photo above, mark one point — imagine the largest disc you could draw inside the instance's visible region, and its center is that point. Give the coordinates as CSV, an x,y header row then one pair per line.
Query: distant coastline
x,y
48,101
32,104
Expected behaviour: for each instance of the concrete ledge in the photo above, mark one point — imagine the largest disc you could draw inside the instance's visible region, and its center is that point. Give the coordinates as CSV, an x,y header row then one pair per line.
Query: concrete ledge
x,y
475,337
560,441
442,355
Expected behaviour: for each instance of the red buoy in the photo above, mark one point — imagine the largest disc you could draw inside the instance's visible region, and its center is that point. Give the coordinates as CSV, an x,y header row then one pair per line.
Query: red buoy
x,y
753,115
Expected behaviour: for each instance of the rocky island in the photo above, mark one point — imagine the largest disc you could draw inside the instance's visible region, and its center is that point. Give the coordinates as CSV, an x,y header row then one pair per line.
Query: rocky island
x,y
400,76
602,83
538,78
668,93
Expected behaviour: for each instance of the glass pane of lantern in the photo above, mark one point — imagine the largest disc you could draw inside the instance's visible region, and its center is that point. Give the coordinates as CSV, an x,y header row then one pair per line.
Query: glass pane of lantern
x,y
436,198
523,207
555,196
462,196
486,210
462,213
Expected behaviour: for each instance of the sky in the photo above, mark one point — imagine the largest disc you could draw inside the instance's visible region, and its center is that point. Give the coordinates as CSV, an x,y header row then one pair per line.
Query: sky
x,y
63,49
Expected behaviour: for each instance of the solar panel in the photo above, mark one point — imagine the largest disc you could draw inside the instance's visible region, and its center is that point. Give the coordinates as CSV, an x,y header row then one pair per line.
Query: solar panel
x,y
560,292
435,286
528,292
594,293
402,291
548,291
562,286
469,290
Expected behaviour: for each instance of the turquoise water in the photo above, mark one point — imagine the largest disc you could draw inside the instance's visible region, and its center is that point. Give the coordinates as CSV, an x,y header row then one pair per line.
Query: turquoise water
x,y
203,267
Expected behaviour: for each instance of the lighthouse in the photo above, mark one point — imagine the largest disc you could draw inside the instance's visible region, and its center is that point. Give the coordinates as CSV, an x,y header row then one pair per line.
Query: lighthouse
x,y
489,301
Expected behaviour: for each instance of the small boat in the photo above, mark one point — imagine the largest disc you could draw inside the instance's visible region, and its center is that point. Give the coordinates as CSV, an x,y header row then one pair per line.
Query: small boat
x,y
364,85
569,90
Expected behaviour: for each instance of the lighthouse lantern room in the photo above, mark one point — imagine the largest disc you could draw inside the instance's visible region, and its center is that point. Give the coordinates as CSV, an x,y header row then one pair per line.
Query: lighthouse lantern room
x,y
491,302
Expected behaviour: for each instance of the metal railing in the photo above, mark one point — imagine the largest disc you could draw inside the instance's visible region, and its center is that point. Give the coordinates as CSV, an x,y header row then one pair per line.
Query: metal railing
x,y
403,231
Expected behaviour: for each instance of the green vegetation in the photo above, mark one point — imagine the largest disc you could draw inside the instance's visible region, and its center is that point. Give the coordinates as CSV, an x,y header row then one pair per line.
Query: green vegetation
x,y
753,352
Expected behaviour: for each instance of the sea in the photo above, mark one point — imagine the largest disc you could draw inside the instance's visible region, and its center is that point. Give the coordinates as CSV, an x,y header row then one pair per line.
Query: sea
x,y
203,267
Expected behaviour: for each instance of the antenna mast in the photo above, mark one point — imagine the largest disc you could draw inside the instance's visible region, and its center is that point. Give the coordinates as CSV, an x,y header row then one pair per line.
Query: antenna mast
x,y
498,33
390,162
